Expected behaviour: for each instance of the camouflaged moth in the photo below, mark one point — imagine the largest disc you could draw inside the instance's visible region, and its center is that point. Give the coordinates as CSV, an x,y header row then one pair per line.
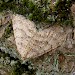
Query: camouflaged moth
x,y
32,43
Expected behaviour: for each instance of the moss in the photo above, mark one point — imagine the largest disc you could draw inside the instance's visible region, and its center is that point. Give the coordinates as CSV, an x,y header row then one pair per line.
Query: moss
x,y
41,11
63,12
8,31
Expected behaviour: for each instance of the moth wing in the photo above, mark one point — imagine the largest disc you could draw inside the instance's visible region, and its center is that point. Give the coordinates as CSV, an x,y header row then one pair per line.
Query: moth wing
x,y
24,30
32,43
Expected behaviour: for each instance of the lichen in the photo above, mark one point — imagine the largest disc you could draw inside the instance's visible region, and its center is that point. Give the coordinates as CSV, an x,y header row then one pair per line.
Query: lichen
x,y
15,66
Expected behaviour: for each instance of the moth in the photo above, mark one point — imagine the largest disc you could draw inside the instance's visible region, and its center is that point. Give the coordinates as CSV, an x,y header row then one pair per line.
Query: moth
x,y
32,43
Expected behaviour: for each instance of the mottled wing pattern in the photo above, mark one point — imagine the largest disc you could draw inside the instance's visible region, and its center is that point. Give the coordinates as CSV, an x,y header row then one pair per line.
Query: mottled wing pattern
x,y
32,43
